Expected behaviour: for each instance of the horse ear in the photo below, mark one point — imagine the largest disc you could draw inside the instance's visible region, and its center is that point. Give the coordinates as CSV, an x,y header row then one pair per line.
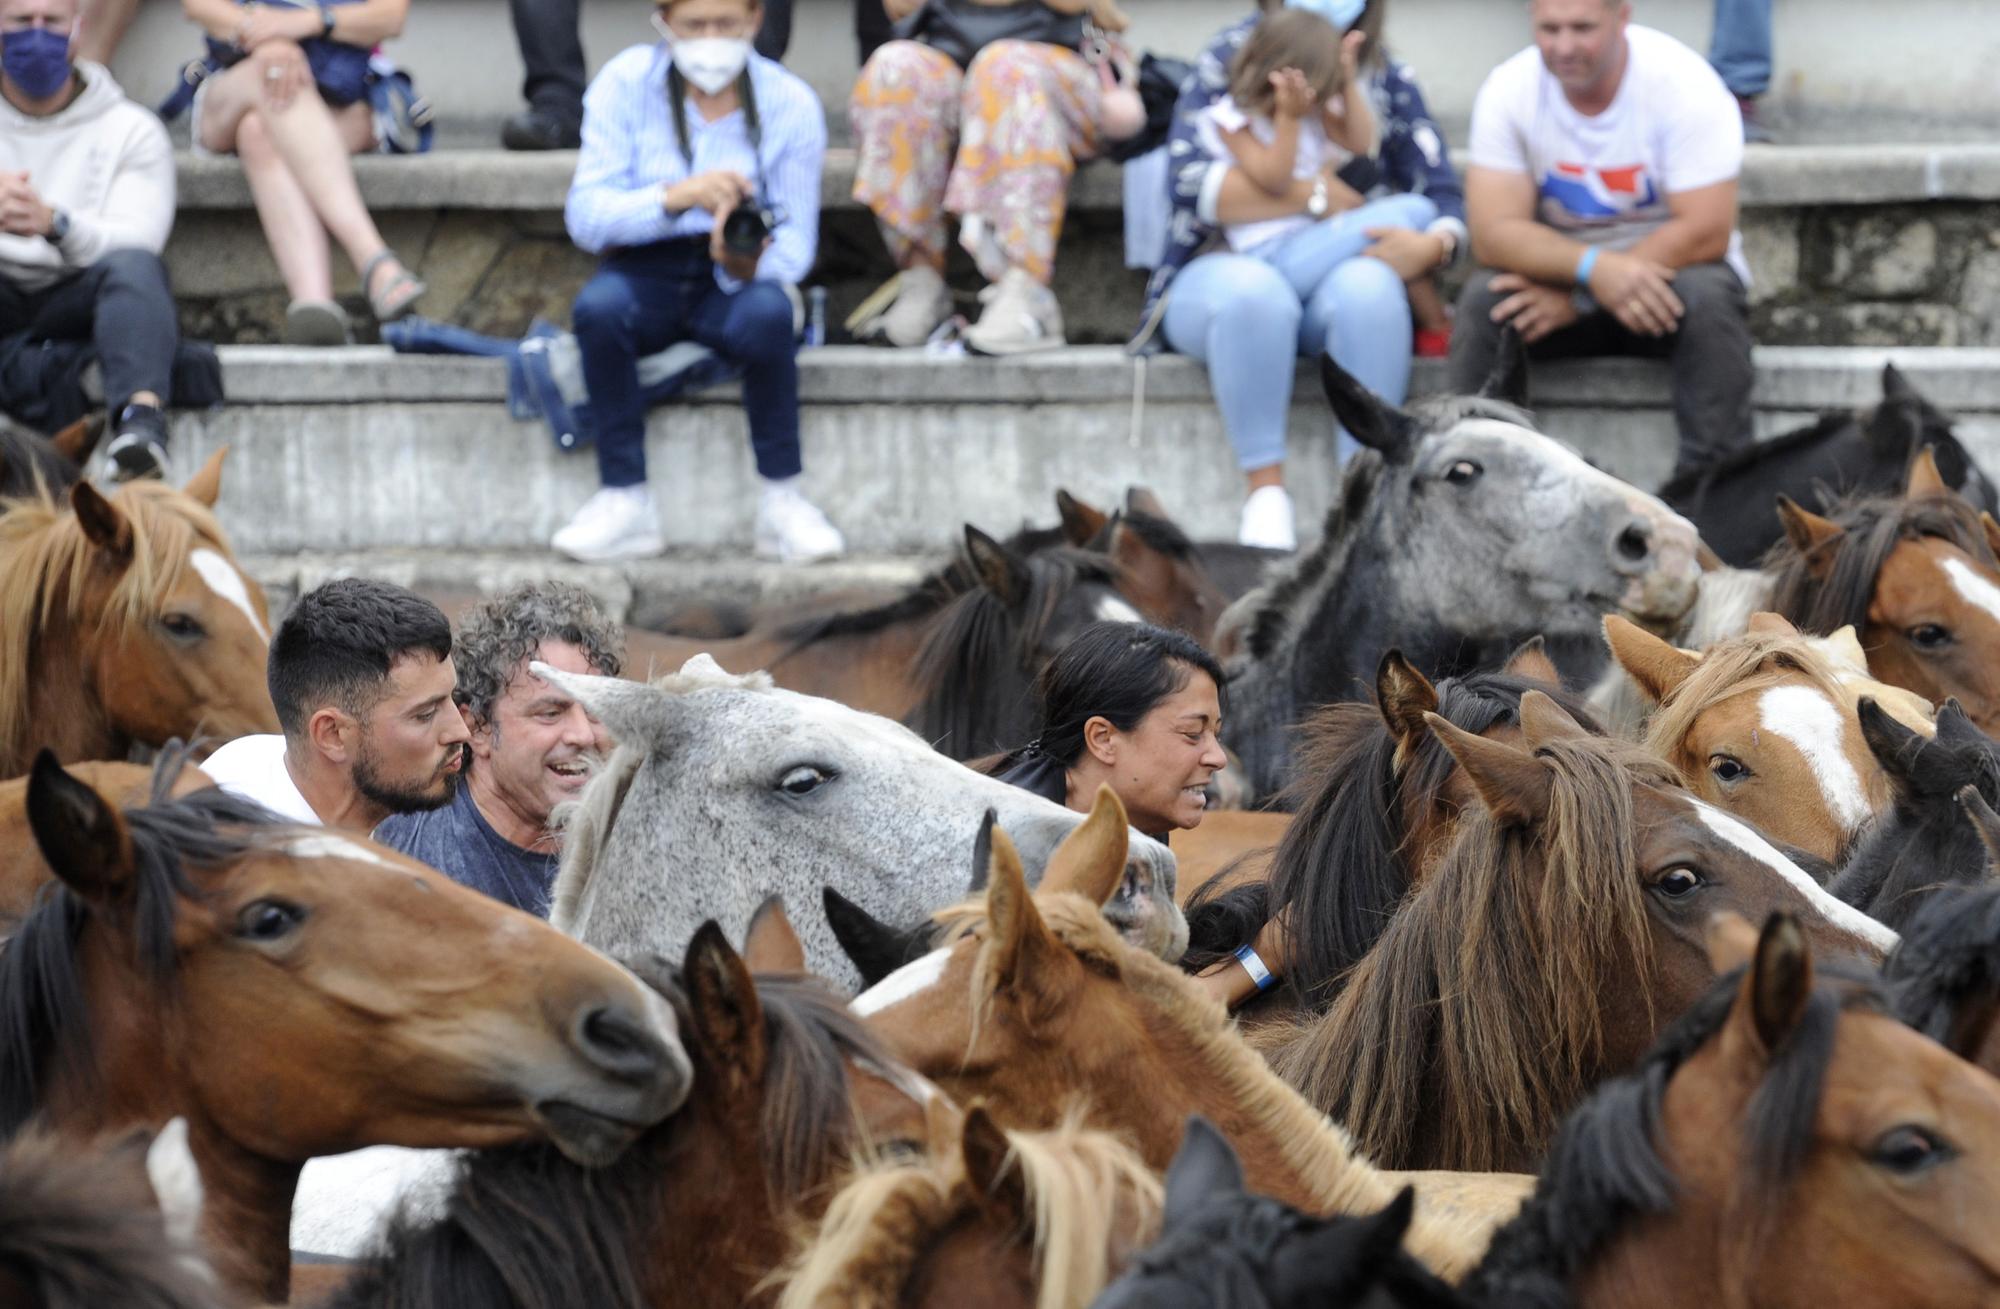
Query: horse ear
x,y
1731,942
1018,941
1080,522
1508,380
628,710
1894,746
1843,647
1895,386
1983,819
1387,1227
871,945
1091,860
1141,500
1808,533
1368,418
1531,663
1543,720
206,484
990,1172
176,1181
81,834
1924,480
76,441
1404,696
1512,784
1206,1165
104,524
1772,999
1657,667
1992,530
723,1001
998,569
1955,727
1766,623
982,853
772,946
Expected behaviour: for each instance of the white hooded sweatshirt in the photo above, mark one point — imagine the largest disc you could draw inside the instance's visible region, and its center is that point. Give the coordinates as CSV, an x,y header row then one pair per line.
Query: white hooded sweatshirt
x,y
104,161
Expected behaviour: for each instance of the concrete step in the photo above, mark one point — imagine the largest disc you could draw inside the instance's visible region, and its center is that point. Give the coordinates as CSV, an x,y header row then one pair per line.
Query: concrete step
x,y
360,450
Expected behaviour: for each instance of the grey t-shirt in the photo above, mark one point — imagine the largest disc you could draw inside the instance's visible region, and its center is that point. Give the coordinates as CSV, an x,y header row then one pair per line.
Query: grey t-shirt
x,y
459,842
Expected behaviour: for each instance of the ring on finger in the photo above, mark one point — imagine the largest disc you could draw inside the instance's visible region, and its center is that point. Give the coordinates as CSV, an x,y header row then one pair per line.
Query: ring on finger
x,y
273,74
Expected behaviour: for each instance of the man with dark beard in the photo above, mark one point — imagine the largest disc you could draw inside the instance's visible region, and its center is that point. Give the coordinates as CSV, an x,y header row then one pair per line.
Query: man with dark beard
x,y
362,677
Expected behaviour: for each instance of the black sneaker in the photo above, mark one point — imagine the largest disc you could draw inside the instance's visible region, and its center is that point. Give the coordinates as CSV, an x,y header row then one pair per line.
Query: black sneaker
x,y
140,448
540,129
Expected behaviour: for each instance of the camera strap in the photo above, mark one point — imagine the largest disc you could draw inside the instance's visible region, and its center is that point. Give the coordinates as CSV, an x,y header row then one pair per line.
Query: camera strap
x,y
753,122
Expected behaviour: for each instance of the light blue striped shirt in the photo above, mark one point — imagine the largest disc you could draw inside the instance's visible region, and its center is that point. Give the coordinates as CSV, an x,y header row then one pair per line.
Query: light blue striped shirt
x,y
630,151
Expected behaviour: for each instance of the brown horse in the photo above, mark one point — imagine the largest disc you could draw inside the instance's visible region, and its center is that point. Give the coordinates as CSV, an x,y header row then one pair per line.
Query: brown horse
x,y
789,1088
1765,726
1044,1003
293,993
1788,1144
1000,1220
1546,951
126,621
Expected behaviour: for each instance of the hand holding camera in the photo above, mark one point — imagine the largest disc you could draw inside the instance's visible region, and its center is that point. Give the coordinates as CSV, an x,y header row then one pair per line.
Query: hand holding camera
x,y
717,191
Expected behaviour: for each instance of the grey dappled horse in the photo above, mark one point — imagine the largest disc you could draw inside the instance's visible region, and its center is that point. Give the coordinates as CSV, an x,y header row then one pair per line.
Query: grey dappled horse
x,y
724,791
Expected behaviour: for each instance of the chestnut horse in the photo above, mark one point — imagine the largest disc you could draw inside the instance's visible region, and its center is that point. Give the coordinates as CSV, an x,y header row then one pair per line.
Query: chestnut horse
x,y
789,1088
1787,1145
126,621
1000,1220
296,993
1044,1004
1545,952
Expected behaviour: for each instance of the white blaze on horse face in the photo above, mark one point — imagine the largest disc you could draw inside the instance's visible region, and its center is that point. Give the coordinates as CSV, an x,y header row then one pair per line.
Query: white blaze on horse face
x,y
333,847
1113,610
1836,911
912,978
1972,588
1805,717
223,579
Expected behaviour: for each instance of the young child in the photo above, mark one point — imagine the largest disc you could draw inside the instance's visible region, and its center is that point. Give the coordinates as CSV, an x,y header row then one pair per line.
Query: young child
x,y
1296,110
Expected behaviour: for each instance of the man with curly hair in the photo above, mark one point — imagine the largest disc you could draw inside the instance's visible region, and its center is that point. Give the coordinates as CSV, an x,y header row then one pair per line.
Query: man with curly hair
x,y
531,744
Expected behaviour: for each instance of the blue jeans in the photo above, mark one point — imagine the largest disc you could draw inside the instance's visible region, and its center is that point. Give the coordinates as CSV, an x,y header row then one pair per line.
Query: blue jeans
x,y
1239,315
1740,46
645,299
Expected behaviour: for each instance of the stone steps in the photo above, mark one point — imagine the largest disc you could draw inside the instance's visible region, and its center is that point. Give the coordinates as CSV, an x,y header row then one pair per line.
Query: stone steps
x,y
345,452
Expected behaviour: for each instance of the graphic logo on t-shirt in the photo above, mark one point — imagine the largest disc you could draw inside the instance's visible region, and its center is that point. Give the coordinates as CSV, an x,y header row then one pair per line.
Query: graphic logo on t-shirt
x,y
1596,194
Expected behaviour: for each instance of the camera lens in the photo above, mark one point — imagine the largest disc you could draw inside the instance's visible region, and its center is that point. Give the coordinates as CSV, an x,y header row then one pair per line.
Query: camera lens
x,y
743,232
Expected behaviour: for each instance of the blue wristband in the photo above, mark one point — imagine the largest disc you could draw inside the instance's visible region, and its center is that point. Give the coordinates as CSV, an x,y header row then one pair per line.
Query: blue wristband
x,y
1585,265
1253,964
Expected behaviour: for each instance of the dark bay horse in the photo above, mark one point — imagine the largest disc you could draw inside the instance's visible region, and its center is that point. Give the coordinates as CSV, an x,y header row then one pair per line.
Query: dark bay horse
x,y
1785,1144
1944,979
32,465
1458,533
292,992
1845,454
1552,943
126,620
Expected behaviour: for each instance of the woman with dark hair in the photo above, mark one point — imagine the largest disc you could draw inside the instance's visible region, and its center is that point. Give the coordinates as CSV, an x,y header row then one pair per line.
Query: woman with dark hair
x,y
1133,706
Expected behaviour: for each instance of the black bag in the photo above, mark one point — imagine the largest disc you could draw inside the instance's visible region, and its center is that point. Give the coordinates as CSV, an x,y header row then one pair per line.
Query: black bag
x,y
962,28
1160,82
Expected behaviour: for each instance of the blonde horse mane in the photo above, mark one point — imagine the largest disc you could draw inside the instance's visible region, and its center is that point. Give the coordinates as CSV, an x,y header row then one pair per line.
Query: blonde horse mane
x,y
46,563
1090,1193
1740,665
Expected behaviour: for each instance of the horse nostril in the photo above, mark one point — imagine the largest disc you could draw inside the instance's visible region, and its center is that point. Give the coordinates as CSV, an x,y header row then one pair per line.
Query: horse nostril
x,y
1635,542
617,1042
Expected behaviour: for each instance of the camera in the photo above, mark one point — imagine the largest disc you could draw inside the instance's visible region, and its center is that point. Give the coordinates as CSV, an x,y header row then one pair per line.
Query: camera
x,y
749,226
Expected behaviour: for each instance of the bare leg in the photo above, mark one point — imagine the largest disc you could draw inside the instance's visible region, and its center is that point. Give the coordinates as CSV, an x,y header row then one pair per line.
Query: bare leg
x,y
298,242
1268,475
1427,306
101,26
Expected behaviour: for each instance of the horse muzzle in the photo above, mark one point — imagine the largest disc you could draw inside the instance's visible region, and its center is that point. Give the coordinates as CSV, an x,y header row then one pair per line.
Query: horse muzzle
x,y
1659,553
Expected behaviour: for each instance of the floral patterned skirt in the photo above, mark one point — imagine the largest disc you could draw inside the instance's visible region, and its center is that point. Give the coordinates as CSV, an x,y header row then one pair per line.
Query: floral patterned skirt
x,y
995,144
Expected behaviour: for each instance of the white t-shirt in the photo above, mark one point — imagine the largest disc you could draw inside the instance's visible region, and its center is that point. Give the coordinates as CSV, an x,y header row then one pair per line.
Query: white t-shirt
x,y
254,768
1314,155
1605,179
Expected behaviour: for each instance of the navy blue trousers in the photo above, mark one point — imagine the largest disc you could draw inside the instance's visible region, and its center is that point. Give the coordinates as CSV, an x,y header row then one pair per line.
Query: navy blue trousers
x,y
645,299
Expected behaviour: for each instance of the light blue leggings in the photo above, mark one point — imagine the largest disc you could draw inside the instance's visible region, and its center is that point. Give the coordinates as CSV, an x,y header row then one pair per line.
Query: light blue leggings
x,y
1239,315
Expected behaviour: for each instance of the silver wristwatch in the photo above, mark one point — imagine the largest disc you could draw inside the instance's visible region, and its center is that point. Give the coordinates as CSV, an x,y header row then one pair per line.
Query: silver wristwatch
x,y
1318,203
58,227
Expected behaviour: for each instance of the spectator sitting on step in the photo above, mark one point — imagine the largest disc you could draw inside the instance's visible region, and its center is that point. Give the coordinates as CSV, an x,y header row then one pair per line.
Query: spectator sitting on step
x,y
1602,199
995,142
362,678
532,745
86,202
294,136
699,184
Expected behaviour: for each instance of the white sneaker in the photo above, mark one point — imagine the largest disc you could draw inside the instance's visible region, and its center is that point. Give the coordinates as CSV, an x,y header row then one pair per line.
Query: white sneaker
x,y
1021,316
791,529
619,522
922,302
1267,520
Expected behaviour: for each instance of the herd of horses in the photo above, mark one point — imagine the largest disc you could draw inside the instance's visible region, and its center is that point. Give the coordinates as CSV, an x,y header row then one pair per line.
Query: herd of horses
x,y
1635,863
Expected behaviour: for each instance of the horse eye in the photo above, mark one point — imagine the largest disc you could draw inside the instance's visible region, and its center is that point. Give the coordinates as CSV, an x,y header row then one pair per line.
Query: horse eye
x,y
1727,769
1461,472
1679,883
1929,636
1909,1151
182,627
804,780
268,920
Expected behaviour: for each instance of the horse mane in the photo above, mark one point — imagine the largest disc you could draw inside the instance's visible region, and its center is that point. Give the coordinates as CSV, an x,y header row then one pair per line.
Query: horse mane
x,y
46,564
1342,866
524,1226
43,1013
30,466
1478,1012
1161,535
1949,957
1272,606
936,590
82,1229
1689,481
1605,1169
1872,527
1080,1182
971,673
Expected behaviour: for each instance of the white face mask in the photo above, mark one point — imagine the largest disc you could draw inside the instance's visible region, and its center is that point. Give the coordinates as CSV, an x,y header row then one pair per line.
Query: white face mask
x,y
709,62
